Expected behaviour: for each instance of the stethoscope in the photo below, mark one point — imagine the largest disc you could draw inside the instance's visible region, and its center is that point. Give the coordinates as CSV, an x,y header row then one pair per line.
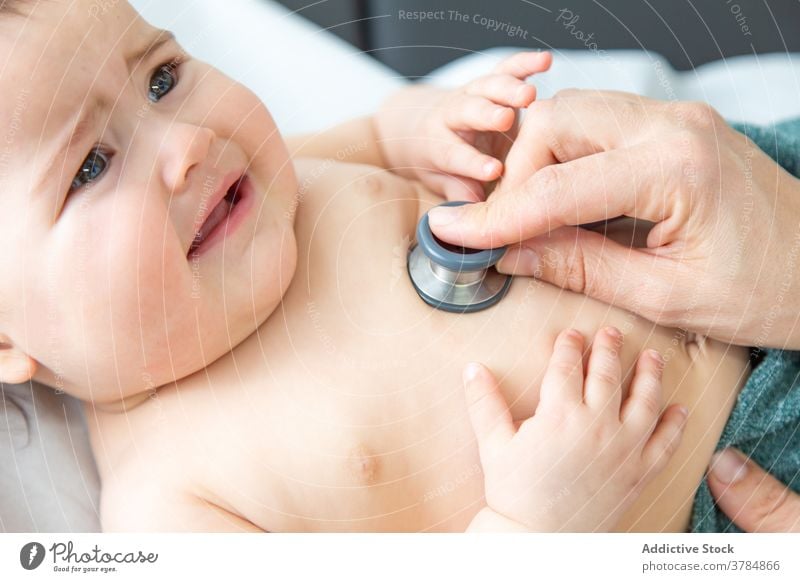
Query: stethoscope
x,y
456,279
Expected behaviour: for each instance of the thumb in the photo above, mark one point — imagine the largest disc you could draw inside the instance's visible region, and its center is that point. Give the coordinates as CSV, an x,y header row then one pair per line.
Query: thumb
x,y
753,499
587,262
488,411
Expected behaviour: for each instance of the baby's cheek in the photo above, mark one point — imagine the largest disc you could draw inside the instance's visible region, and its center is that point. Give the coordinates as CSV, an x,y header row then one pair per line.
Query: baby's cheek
x,y
144,270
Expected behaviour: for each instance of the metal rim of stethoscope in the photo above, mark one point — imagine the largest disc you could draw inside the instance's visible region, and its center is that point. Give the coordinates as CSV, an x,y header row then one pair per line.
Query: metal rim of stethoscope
x,y
454,281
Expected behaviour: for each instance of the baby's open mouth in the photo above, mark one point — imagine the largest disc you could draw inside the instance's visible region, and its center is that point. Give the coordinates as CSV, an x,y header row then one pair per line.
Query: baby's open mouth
x,y
218,219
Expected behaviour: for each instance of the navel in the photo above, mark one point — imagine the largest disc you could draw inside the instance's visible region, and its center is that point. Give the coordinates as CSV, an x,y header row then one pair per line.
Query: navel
x,y
363,465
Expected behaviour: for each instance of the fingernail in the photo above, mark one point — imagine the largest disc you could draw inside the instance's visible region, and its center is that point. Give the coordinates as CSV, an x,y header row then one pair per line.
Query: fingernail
x,y
442,216
656,357
498,114
522,93
728,466
471,371
573,334
614,333
528,261
489,168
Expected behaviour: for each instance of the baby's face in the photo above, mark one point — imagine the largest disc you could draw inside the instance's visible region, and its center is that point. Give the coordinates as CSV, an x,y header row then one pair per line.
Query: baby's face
x,y
161,236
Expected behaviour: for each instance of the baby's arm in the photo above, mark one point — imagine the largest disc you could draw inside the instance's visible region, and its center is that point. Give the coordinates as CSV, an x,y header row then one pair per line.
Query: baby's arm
x,y
584,457
353,142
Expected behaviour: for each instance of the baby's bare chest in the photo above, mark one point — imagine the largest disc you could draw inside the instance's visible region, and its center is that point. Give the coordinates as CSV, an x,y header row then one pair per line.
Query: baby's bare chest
x,y
346,409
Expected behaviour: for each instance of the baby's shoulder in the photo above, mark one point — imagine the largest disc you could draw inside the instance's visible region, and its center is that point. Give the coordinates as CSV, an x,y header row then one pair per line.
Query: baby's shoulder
x,y
337,182
155,468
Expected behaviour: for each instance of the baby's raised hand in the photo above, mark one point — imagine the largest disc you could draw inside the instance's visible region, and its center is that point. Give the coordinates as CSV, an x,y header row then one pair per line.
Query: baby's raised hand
x,y
456,140
583,458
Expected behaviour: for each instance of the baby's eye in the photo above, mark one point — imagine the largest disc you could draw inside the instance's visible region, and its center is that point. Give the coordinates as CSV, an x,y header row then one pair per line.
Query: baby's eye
x,y
162,81
92,168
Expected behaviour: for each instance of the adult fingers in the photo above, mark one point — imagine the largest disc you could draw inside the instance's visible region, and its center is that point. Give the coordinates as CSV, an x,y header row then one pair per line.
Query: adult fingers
x,y
640,182
578,123
587,262
488,410
752,498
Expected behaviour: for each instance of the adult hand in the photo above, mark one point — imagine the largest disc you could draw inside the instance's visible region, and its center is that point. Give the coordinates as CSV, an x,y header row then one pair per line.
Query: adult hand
x,y
720,259
753,499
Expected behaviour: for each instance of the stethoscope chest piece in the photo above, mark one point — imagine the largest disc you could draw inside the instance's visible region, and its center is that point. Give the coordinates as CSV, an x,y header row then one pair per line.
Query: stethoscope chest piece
x,y
452,278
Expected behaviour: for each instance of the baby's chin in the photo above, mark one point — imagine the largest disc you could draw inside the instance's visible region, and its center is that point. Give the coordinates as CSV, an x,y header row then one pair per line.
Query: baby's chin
x,y
279,268
265,275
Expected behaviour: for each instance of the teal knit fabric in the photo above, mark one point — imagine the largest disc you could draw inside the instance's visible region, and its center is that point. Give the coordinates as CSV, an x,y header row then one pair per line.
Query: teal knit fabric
x,y
765,421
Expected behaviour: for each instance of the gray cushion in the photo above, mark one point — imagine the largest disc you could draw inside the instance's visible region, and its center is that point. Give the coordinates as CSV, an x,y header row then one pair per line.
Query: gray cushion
x,y
48,480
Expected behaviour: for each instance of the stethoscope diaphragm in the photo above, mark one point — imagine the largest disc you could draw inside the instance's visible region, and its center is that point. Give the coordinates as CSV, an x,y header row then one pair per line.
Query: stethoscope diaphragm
x,y
452,278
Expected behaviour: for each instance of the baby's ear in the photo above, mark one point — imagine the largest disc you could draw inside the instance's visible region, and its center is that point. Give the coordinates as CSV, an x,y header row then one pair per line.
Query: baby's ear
x,y
16,366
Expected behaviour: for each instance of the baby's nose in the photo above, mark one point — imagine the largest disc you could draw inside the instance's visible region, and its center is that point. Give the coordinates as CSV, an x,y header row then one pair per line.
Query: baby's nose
x,y
185,147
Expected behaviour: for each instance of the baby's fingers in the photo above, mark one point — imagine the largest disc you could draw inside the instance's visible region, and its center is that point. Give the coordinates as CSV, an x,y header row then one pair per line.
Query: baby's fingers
x,y
643,406
563,379
665,440
524,64
461,159
453,187
604,375
472,112
503,90
488,411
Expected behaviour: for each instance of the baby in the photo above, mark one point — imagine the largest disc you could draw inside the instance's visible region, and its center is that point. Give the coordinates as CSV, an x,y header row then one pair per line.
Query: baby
x,y
235,309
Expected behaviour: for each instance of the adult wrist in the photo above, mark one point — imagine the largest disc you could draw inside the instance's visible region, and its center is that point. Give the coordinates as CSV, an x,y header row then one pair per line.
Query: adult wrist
x,y
779,321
